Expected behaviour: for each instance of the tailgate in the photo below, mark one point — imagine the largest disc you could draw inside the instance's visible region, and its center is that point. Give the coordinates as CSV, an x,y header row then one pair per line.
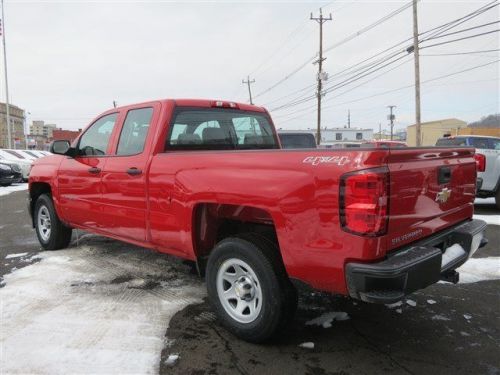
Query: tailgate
x,y
430,189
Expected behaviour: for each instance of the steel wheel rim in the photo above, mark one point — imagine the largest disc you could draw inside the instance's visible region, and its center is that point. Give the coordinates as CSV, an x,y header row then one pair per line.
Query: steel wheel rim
x,y
44,223
239,290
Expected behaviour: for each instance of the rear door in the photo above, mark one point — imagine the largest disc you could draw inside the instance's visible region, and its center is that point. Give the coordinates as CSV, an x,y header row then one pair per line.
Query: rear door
x,y
430,190
124,179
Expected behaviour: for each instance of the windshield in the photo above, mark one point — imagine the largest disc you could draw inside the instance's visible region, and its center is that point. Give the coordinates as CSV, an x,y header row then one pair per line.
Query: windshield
x,y
220,129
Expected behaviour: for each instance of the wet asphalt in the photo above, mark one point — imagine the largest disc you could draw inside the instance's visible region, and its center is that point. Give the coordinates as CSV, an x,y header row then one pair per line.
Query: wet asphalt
x,y
457,332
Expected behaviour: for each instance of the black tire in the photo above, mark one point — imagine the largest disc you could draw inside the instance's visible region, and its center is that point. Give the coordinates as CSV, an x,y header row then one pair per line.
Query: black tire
x,y
497,199
5,184
279,297
59,235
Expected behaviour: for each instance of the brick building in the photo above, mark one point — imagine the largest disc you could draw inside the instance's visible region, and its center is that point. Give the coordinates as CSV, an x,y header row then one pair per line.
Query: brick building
x,y
16,127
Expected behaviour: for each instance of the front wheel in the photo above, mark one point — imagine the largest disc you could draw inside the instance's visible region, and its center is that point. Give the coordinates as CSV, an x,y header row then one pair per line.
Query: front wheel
x,y
248,288
51,232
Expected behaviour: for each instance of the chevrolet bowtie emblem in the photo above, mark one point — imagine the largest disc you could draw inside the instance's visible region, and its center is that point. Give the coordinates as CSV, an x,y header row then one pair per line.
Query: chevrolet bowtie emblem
x,y
443,195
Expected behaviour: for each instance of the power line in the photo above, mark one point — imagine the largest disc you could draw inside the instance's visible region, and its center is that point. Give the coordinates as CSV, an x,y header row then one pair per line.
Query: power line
x,y
367,69
308,61
462,53
407,86
459,39
369,27
462,31
452,24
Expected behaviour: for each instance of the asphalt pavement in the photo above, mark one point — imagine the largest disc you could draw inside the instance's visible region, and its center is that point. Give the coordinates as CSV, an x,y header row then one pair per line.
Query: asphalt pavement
x,y
444,329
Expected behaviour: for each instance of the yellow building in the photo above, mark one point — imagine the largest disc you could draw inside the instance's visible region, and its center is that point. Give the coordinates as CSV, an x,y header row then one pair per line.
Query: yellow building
x,y
433,130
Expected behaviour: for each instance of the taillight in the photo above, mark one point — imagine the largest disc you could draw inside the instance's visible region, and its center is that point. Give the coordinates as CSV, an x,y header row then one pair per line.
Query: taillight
x,y
480,162
364,199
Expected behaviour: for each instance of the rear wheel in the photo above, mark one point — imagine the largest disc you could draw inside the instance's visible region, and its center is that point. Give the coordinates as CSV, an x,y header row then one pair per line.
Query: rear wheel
x,y
249,289
51,232
497,198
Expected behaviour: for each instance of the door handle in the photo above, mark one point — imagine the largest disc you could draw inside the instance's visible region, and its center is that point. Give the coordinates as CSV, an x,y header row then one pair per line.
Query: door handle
x,y
134,171
94,170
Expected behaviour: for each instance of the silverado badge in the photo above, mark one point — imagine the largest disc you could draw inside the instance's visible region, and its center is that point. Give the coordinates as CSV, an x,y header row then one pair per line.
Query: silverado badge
x,y
443,195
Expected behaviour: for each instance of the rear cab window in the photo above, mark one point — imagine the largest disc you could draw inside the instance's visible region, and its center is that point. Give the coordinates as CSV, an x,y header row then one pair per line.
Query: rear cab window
x,y
452,141
220,129
297,141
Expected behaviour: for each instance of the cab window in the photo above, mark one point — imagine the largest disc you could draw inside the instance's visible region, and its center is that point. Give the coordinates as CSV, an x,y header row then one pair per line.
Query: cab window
x,y
220,129
134,131
94,142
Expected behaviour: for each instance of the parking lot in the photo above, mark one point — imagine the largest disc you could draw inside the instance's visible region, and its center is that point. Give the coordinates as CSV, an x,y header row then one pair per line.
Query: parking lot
x,y
104,306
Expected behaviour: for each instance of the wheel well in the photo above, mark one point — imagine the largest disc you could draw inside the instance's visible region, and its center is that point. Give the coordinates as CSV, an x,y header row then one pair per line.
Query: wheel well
x,y
37,189
212,222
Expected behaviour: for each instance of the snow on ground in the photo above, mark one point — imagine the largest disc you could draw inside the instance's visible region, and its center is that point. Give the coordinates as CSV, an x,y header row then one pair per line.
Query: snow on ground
x,y
484,201
99,309
490,219
6,190
326,320
451,253
479,269
18,255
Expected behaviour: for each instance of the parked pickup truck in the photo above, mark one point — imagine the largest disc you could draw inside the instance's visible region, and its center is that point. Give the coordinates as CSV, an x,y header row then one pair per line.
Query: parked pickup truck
x,y
207,181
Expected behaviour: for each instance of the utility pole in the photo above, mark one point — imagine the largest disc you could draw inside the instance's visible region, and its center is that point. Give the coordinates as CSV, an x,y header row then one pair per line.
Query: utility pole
x,y
7,109
391,118
248,82
349,118
321,20
379,130
114,104
416,55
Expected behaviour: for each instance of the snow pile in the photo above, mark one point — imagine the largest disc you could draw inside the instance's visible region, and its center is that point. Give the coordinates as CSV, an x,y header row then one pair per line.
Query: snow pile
x,y
411,302
6,190
452,253
431,301
172,359
307,345
86,310
490,219
18,255
326,320
479,269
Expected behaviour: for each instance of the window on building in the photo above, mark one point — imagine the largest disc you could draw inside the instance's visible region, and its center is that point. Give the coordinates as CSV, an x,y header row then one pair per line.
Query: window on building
x,y
134,131
338,136
359,136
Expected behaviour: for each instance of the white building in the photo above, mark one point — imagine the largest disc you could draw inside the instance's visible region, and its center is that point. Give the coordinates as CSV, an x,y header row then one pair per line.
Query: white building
x,y
332,135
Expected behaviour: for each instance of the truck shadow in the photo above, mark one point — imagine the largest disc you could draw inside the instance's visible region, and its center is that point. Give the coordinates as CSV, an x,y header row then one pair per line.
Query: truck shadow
x,y
445,330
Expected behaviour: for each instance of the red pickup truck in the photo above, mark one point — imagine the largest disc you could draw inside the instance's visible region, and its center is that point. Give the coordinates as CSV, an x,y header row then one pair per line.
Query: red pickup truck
x,y
207,181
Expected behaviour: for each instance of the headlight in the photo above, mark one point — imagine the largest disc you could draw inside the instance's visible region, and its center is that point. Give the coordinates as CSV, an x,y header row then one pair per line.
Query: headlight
x,y
4,167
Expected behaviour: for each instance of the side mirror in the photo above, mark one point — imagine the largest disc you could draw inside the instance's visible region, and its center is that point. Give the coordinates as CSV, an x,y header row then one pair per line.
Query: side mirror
x,y
60,147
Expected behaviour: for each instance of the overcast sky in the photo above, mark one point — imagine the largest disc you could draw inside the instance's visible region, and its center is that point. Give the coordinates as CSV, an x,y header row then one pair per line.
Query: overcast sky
x,y
68,60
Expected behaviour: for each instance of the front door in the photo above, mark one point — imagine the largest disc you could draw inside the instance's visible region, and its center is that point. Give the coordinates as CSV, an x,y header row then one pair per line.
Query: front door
x,y
79,178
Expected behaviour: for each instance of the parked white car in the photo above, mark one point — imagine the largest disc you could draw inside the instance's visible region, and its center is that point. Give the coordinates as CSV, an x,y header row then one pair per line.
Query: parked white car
x,y
23,163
